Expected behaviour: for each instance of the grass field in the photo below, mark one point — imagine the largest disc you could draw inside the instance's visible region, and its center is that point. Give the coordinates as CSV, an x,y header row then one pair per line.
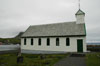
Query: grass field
x,y
30,59
92,59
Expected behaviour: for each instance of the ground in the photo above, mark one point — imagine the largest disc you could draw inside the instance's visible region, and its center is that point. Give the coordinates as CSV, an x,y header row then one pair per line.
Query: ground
x,y
30,59
72,61
91,59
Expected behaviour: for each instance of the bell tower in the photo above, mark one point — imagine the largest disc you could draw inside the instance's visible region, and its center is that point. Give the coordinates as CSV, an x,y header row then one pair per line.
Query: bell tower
x,y
80,15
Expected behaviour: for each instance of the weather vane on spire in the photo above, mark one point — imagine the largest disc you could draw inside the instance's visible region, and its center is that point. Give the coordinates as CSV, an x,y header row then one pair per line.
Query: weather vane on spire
x,y
79,4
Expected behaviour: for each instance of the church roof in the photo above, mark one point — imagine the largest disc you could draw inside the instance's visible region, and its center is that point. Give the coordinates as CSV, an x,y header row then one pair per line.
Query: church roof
x,y
79,12
58,29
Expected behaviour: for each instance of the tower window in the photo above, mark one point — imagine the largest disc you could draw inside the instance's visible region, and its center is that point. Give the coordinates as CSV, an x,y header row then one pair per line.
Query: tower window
x,y
24,41
67,41
39,42
57,41
31,41
48,42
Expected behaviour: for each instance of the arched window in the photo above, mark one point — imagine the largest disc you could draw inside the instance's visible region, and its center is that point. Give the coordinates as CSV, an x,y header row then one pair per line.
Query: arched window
x,y
67,41
31,41
39,41
24,41
57,41
48,42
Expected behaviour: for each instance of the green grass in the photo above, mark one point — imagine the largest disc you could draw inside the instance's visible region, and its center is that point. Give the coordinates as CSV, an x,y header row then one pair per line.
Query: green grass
x,y
92,59
30,59
10,40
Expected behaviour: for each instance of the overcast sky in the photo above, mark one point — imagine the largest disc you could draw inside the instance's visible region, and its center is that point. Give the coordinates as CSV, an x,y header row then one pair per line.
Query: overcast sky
x,y
18,15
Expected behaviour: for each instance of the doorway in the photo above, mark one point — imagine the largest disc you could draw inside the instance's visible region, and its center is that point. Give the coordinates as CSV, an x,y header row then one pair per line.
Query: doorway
x,y
80,45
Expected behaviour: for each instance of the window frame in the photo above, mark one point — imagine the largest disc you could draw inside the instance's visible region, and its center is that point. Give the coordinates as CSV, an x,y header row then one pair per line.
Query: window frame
x,y
32,41
48,41
67,42
57,41
39,41
25,41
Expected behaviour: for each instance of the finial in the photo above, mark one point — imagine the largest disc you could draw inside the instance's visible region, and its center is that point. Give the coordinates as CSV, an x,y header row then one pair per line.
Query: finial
x,y
79,4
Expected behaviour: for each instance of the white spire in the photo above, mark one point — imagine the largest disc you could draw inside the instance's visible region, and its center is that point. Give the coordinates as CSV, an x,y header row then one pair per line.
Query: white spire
x,y
79,4
79,12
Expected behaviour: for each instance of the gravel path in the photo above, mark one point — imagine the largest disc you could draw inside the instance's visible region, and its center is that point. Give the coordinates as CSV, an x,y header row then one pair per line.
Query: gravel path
x,y
72,61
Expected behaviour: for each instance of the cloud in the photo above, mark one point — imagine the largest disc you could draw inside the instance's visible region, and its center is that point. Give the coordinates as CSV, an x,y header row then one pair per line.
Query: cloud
x,y
18,15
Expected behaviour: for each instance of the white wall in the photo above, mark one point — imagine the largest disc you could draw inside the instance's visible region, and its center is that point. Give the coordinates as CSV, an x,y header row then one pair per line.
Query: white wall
x,y
53,47
80,19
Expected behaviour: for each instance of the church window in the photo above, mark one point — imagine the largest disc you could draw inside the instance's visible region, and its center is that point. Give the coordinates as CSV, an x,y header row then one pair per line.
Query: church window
x,y
67,41
48,42
24,41
39,42
57,41
31,41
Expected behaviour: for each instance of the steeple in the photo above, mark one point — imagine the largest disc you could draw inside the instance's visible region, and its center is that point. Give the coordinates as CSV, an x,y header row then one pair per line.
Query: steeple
x,y
80,16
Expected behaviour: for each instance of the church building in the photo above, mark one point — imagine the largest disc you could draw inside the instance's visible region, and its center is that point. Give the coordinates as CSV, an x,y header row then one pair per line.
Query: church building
x,y
58,37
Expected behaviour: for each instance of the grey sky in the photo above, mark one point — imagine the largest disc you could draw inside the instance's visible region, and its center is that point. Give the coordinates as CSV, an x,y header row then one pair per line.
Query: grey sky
x,y
18,15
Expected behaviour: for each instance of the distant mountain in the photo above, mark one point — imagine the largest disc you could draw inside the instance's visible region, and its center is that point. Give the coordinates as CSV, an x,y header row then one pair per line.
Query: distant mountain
x,y
19,35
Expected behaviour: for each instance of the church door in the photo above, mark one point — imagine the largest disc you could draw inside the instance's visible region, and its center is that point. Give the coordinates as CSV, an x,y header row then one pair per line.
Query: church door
x,y
79,45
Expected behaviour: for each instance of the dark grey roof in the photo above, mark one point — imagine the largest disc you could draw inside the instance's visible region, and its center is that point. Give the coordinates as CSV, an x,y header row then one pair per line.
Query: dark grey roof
x,y
79,12
58,29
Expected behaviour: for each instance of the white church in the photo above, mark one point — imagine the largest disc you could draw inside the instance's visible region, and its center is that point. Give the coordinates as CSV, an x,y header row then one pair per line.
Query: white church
x,y
58,37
